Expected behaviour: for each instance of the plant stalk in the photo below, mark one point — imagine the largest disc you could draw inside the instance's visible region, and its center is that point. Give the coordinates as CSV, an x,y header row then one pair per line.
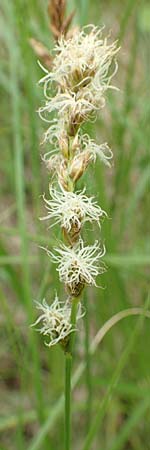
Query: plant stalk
x,y
68,370
88,364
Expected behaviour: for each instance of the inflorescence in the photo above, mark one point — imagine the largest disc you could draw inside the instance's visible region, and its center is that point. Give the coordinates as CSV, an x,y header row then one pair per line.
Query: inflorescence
x,y
74,90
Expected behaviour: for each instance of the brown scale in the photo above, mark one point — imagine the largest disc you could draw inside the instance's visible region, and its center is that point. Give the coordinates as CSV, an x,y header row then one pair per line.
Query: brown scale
x,y
75,289
59,24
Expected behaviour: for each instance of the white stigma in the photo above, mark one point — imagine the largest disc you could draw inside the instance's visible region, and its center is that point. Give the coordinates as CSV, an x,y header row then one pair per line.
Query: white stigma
x,y
56,320
71,209
78,264
102,151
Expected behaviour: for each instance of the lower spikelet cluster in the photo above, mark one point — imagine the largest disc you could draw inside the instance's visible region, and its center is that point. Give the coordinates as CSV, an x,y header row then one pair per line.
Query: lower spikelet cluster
x,y
74,90
56,323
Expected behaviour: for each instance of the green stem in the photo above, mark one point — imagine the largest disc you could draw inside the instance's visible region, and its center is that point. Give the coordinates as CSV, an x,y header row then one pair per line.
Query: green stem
x,y
88,363
68,367
68,400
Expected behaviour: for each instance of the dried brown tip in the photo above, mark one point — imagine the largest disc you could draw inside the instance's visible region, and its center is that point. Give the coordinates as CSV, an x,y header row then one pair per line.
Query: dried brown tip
x,y
67,22
59,24
42,52
56,11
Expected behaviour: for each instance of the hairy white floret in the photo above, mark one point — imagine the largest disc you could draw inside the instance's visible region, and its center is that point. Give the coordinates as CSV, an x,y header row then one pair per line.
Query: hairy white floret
x,y
70,102
53,133
81,59
103,151
56,320
78,264
71,209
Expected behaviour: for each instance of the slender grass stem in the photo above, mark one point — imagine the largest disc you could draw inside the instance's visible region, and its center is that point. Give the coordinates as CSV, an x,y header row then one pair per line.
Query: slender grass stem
x,y
68,369
68,400
88,363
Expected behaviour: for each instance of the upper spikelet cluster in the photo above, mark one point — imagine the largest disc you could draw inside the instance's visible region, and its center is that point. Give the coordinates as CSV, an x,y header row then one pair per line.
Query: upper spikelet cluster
x,y
80,72
82,69
74,90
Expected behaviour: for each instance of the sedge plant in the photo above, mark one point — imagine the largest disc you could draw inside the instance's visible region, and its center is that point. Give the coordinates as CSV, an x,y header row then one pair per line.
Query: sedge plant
x,y
74,88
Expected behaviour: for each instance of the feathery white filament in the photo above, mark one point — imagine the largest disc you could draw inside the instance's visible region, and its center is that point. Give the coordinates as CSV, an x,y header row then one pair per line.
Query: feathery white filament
x,y
71,103
71,209
78,264
55,318
103,151
81,75
80,59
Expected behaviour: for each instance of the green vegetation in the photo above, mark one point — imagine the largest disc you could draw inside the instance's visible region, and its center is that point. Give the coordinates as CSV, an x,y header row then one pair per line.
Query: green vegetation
x,y
111,409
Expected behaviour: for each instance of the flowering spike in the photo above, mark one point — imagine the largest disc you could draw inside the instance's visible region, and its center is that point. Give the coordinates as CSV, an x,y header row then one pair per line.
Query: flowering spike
x,y
56,323
82,69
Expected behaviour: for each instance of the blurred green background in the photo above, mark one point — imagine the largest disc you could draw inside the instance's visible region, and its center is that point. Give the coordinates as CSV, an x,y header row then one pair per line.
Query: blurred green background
x,y
31,411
